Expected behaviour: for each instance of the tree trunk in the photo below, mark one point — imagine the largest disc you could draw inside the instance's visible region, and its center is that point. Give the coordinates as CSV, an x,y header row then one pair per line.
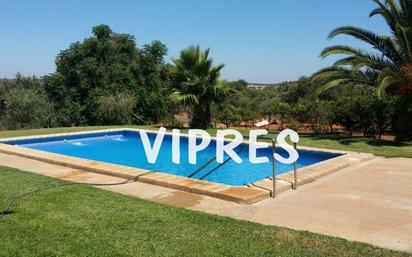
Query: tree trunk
x,y
201,116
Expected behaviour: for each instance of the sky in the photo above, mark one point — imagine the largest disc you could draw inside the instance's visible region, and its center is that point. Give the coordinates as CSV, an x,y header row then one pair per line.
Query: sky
x,y
262,41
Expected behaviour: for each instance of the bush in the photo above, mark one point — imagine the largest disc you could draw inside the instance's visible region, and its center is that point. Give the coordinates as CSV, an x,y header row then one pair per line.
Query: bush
x,y
25,108
402,120
368,114
321,116
69,112
247,116
173,124
383,114
226,114
294,124
346,114
116,109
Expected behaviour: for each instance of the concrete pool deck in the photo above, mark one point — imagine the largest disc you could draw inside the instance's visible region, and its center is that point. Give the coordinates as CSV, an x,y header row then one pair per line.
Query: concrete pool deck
x,y
369,202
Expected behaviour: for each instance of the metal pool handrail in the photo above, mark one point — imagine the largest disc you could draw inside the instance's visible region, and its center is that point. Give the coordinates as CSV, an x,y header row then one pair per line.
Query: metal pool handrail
x,y
295,169
273,192
220,165
210,162
202,167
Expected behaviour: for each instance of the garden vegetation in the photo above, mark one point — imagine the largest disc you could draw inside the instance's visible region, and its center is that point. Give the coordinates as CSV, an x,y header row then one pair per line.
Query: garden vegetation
x,y
108,80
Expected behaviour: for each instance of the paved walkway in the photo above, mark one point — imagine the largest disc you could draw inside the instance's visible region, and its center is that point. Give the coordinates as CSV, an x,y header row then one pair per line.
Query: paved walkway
x,y
370,202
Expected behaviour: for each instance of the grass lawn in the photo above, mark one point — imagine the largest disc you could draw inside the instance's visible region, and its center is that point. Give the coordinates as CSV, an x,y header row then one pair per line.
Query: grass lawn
x,y
77,220
361,144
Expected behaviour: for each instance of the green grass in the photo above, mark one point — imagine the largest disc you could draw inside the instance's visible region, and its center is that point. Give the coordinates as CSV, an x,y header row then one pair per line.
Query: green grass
x,y
78,220
355,143
358,143
30,132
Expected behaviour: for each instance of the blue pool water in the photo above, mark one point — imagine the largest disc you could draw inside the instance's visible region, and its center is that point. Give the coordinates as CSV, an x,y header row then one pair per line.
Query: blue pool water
x,y
126,148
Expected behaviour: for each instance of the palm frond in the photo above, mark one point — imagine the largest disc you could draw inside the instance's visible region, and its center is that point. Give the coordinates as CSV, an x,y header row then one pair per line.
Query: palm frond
x,y
387,78
198,77
385,13
382,44
181,98
386,69
340,49
331,77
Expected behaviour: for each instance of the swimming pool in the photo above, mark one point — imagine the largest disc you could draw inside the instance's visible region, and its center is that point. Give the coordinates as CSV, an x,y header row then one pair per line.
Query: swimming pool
x,y
125,148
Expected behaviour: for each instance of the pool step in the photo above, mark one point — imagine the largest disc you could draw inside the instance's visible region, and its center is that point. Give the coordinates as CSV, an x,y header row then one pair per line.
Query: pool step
x,y
310,173
267,185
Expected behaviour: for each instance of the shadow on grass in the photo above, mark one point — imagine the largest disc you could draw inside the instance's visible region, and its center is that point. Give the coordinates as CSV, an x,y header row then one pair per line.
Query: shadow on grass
x,y
381,143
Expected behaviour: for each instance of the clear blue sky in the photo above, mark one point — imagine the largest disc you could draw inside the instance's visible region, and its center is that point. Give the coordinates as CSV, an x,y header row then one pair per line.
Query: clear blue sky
x,y
260,41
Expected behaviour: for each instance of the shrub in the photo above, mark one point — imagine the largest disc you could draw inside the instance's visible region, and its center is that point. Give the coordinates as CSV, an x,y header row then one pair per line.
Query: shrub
x,y
226,114
173,124
247,116
25,108
346,114
116,109
321,116
383,114
402,122
368,114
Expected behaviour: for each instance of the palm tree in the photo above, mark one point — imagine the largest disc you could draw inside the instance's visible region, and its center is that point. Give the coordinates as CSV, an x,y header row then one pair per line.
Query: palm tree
x,y
388,67
198,84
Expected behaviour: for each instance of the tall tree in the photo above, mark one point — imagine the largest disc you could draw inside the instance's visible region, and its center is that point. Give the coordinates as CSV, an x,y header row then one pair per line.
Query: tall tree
x,y
153,102
104,66
24,104
198,84
388,68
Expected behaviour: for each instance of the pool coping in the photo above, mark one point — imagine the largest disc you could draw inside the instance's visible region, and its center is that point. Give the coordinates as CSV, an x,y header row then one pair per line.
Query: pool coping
x,y
241,194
